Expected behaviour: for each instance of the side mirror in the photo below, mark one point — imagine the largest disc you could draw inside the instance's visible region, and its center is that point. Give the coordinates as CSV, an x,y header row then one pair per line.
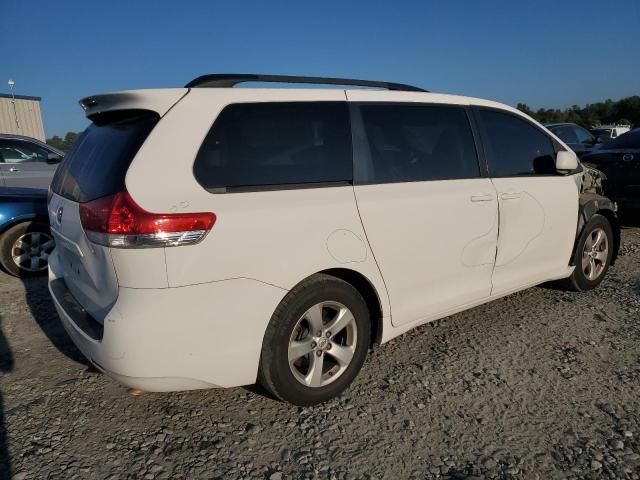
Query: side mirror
x,y
53,158
566,161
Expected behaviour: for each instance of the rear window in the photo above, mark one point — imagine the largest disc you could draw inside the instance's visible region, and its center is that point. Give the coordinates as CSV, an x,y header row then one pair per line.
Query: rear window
x,y
98,161
258,145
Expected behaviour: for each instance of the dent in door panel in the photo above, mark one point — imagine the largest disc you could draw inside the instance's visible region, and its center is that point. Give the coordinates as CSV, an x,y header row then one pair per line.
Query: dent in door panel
x,y
515,237
482,249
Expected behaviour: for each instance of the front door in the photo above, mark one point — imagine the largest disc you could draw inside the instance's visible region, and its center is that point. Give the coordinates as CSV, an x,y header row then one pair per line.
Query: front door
x,y
24,164
430,218
538,206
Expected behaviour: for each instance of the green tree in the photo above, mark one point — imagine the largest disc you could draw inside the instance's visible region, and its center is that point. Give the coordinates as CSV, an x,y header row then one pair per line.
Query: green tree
x,y
524,108
624,111
63,144
56,142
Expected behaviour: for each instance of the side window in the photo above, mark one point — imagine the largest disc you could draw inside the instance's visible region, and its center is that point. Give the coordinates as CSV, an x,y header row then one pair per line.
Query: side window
x,y
16,151
566,134
583,135
409,143
515,147
270,144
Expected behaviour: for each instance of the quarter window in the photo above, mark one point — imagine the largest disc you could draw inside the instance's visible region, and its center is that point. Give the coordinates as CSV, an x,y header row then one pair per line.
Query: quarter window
x,y
409,143
516,147
271,144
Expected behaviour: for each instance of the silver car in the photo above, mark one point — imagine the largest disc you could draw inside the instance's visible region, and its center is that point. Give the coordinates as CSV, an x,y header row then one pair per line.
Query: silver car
x,y
26,162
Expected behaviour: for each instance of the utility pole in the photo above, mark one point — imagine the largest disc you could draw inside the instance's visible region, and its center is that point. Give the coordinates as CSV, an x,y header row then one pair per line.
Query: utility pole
x,y
11,83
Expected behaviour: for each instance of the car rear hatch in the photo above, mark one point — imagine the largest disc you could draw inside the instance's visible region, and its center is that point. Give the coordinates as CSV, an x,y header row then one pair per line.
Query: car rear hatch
x,y
96,168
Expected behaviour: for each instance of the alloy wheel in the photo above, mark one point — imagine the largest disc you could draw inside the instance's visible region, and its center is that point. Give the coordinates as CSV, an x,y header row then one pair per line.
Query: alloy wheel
x,y
595,254
322,344
30,252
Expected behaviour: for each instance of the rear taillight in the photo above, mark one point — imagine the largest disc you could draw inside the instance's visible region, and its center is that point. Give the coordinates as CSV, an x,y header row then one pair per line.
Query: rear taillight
x,y
118,221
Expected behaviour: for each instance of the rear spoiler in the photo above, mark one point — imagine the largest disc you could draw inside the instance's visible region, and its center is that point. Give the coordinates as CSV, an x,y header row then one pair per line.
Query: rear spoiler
x,y
156,100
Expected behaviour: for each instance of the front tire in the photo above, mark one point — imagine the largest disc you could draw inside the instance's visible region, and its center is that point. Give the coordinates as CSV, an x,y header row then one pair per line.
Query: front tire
x,y
316,341
593,255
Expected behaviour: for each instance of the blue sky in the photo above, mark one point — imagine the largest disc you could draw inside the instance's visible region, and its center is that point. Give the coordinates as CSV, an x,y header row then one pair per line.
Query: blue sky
x,y
546,53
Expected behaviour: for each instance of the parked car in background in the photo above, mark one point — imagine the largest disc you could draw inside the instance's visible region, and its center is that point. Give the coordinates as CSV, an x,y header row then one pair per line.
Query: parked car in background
x,y
26,162
609,132
579,139
619,160
25,239
301,225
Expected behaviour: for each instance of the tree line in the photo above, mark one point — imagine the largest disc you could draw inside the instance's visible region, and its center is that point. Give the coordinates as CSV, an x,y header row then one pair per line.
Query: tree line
x,y
625,112
63,144
621,112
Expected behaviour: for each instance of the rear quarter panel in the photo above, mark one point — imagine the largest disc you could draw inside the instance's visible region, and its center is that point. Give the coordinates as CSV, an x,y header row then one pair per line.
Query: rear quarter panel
x,y
276,237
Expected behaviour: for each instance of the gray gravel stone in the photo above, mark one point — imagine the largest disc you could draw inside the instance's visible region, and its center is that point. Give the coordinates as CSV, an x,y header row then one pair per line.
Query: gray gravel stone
x,y
540,384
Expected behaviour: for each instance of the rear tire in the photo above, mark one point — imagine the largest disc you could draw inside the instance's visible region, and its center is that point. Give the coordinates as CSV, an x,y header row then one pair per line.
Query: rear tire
x,y
592,257
316,341
25,249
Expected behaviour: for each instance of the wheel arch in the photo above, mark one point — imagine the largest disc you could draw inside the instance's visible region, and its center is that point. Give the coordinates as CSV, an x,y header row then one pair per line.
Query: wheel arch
x,y
593,204
370,294
615,226
22,219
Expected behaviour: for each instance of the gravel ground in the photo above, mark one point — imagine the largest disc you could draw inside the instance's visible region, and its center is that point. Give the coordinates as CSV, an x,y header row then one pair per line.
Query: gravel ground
x,y
542,384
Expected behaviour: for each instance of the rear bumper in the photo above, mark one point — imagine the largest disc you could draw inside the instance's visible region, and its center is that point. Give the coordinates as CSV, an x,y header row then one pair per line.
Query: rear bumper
x,y
199,336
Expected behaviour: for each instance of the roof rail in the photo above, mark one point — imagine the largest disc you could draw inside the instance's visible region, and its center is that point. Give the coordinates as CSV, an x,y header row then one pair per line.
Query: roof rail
x,y
228,80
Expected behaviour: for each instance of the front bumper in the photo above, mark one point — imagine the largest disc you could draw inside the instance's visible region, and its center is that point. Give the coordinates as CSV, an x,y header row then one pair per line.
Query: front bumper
x,y
199,336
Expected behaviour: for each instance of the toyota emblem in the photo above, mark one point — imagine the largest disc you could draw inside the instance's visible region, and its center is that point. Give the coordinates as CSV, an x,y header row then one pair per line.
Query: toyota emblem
x,y
627,157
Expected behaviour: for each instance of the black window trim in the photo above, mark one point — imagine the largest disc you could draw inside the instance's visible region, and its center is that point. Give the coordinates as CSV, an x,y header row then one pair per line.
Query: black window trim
x,y
276,186
362,154
557,146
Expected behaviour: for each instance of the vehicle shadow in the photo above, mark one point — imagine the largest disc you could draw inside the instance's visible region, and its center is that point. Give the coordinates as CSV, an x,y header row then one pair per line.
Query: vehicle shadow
x,y
259,390
6,366
44,313
630,219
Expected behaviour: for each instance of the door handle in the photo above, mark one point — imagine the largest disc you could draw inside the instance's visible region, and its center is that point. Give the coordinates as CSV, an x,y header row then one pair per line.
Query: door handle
x,y
14,169
510,195
482,197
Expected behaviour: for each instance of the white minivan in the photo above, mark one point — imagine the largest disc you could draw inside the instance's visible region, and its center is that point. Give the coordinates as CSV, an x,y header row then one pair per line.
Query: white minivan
x,y
212,236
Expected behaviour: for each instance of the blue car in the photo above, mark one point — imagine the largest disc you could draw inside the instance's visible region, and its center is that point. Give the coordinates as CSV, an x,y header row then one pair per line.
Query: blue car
x,y
25,238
